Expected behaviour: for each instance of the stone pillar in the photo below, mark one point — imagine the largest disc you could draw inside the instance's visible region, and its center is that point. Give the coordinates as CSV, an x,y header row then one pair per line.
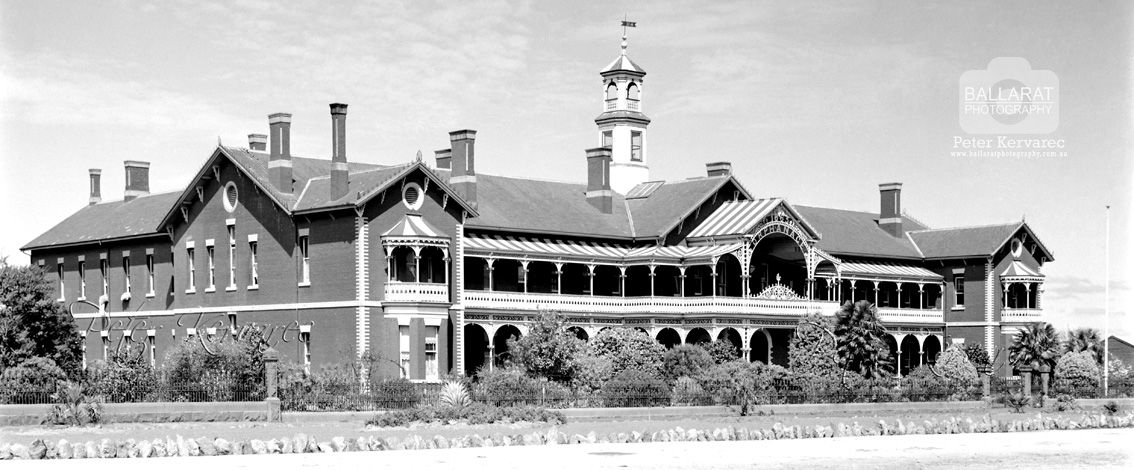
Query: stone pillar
x,y
985,381
1045,377
1026,379
271,384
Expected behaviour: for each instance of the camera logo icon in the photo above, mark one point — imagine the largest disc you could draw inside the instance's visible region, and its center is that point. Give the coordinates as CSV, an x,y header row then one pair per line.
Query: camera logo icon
x,y
1009,97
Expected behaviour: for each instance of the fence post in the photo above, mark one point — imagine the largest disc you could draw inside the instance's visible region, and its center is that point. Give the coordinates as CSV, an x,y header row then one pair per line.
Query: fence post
x,y
271,383
1026,379
985,381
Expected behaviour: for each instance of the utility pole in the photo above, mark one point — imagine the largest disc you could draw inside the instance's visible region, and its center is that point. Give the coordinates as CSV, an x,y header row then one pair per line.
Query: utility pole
x,y
1106,314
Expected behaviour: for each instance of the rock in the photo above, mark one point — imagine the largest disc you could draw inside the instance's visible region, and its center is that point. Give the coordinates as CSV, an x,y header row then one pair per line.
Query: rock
x,y
476,441
5,451
591,437
194,447
145,449
312,446
207,448
299,443
78,450
182,447
62,450
439,441
635,436
742,434
718,434
239,447
37,450
91,450
339,444
258,447
455,443
374,443
552,436
20,452
107,449
325,447
393,443
272,446
128,449
222,446
52,451
360,444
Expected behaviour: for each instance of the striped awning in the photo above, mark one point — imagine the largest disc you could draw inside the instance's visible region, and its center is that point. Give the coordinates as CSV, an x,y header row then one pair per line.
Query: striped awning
x,y
884,270
413,226
542,247
735,218
1020,271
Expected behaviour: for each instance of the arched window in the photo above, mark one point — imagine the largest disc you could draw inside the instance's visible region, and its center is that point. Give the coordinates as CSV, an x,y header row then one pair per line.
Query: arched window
x,y
611,92
632,92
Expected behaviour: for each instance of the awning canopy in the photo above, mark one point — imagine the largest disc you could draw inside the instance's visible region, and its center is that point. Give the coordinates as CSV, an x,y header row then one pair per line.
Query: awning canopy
x,y
558,249
881,270
1018,271
734,218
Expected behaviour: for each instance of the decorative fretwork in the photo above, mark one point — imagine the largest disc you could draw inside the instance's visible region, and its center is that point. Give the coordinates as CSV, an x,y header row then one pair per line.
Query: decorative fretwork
x,y
779,291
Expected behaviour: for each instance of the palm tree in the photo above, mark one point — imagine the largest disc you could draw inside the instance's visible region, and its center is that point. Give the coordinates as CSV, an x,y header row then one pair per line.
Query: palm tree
x,y
859,336
1085,339
1037,345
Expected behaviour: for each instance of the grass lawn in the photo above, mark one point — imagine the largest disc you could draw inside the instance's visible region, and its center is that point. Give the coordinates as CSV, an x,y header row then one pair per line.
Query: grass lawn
x,y
326,430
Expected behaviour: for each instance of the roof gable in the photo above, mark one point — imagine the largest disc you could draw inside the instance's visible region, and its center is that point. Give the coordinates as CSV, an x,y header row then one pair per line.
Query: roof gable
x,y
977,241
668,205
245,163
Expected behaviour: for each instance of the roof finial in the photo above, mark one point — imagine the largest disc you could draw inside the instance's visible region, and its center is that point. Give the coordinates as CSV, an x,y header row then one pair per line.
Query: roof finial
x,y
218,141
417,159
626,24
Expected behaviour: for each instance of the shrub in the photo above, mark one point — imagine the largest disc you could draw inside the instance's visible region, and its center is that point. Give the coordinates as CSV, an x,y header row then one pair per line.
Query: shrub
x,y
686,391
32,381
1017,402
954,366
977,355
860,344
736,383
33,324
591,375
1110,407
125,378
722,350
1065,402
199,369
509,386
477,413
812,348
548,349
393,393
72,407
633,388
1077,373
628,348
685,360
454,394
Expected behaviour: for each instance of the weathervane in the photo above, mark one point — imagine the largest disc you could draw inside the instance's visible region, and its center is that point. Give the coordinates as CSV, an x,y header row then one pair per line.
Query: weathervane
x,y
626,24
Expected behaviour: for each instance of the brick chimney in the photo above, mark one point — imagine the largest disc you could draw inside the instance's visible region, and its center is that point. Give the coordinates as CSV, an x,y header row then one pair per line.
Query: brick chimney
x,y
137,179
890,212
718,169
96,186
599,193
279,160
444,158
463,177
340,172
257,142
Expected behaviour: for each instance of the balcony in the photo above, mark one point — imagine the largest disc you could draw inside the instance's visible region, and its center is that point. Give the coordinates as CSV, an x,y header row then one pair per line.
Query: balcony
x,y
632,105
632,305
416,292
1021,314
910,315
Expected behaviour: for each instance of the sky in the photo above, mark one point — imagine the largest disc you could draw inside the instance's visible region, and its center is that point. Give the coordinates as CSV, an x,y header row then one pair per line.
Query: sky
x,y
816,103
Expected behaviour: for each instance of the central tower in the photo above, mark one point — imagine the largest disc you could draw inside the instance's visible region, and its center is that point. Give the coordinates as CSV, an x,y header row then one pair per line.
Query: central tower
x,y
622,126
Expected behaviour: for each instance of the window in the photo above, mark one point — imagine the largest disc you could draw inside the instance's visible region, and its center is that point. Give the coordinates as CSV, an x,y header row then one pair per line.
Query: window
x,y
212,270
103,266
607,139
231,257
149,275
83,347
82,280
412,196
151,347
192,269
105,345
431,372
958,290
126,273
611,92
305,338
404,349
254,268
305,261
62,297
635,146
632,92
230,197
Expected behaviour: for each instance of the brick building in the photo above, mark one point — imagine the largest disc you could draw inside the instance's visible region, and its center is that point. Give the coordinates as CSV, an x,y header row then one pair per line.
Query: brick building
x,y
431,266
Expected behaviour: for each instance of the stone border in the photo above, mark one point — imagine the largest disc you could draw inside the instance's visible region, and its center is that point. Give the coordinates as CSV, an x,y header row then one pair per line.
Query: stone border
x,y
155,412
301,443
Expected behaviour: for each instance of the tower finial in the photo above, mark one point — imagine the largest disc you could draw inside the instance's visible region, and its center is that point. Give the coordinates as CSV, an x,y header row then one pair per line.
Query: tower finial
x,y
626,24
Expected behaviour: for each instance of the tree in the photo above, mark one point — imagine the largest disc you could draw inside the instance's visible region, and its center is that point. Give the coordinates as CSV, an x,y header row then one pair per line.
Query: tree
x,y
977,355
722,351
1076,371
33,323
954,365
685,360
1035,346
549,349
812,349
1085,339
627,348
860,344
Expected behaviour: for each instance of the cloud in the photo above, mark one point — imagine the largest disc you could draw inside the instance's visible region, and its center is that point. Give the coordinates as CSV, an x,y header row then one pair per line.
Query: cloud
x,y
1080,288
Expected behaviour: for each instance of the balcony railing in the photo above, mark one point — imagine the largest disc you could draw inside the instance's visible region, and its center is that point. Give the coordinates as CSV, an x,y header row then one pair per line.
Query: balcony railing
x,y
1020,314
632,105
908,315
611,105
416,292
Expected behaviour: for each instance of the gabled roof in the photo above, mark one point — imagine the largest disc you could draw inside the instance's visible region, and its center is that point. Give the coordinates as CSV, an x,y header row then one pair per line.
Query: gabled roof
x,y
672,202
856,233
735,218
965,242
413,226
108,221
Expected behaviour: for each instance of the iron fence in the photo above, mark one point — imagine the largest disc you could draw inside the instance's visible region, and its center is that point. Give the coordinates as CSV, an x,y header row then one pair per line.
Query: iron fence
x,y
353,396
145,387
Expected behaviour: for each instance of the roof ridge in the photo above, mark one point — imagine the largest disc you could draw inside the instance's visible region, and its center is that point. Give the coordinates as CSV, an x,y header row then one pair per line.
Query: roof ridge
x,y
962,227
163,193
542,180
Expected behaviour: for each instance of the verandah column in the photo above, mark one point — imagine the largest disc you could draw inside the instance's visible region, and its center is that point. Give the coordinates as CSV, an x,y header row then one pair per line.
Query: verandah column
x,y
524,265
559,278
417,264
652,268
681,278
489,262
622,280
899,284
591,275
920,296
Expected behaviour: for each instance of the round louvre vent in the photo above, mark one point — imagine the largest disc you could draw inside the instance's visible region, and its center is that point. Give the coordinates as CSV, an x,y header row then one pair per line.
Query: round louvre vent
x,y
230,196
412,196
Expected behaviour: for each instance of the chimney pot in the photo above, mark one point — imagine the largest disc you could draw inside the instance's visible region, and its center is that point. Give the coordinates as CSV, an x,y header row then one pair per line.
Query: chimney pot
x,y
96,186
340,171
715,169
444,158
463,175
257,142
599,193
137,179
279,160
890,210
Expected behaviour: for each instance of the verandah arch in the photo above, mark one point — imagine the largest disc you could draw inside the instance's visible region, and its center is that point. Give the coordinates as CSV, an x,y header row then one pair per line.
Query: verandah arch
x,y
476,348
504,335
